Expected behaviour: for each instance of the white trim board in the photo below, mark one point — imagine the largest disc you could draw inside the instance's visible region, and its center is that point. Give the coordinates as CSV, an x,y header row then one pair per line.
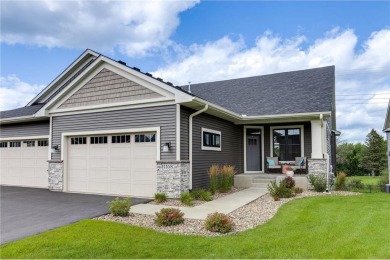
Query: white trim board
x,y
261,128
272,128
25,138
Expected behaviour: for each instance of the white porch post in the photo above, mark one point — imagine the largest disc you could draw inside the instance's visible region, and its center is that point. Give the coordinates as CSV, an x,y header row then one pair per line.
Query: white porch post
x,y
316,139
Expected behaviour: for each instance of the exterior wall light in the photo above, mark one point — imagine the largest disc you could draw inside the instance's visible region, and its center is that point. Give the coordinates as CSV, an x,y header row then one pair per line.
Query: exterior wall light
x,y
166,147
54,149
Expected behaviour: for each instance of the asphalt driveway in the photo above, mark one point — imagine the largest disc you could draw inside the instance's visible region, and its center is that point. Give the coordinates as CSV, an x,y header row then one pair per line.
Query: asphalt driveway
x,y
27,211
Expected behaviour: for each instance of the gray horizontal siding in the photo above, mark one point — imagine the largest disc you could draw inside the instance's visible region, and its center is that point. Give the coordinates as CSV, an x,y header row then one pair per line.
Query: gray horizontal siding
x,y
162,116
232,151
25,129
184,133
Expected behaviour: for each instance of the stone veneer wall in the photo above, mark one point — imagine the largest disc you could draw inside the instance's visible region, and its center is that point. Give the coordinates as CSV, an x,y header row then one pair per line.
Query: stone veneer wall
x,y
173,177
317,166
56,175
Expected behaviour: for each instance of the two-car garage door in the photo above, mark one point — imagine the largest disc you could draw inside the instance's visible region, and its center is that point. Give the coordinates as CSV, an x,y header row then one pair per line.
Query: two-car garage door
x,y
24,163
120,164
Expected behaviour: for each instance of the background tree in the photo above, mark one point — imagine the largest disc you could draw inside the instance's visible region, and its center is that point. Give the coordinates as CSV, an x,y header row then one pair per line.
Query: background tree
x,y
374,152
349,158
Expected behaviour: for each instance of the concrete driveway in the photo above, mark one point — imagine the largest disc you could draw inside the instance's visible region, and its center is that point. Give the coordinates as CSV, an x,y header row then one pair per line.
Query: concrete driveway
x,y
27,211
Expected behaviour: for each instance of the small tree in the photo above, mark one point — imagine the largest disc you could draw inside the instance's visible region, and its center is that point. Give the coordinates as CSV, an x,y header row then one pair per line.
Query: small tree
x,y
374,152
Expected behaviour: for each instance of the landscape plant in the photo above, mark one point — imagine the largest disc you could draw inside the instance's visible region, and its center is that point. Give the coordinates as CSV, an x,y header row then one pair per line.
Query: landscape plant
x,y
169,217
201,195
119,207
221,177
341,180
219,222
298,190
318,182
289,182
160,197
186,198
279,191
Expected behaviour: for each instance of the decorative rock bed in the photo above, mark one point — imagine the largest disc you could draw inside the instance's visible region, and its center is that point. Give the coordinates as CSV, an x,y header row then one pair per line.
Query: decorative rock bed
x,y
249,216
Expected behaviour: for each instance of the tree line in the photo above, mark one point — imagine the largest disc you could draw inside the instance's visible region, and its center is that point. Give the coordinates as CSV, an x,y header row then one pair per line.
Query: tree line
x,y
363,159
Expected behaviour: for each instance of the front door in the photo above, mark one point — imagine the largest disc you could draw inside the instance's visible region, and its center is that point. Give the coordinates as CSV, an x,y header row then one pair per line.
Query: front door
x,y
253,150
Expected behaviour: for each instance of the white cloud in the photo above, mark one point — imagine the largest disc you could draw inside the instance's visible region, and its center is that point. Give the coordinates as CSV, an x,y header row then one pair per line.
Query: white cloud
x,y
359,69
132,27
15,93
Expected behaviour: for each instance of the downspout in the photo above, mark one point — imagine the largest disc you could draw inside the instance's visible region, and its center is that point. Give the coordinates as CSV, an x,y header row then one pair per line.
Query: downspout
x,y
190,139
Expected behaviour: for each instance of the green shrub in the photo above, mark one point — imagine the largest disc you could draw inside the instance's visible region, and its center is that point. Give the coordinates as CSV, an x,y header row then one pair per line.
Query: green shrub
x,y
186,198
119,207
383,180
169,217
341,179
355,184
289,182
318,182
201,195
279,191
221,178
160,197
218,222
298,190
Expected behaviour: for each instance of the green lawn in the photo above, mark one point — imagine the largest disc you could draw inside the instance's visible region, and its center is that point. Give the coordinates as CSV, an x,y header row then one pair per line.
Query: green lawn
x,y
317,227
367,179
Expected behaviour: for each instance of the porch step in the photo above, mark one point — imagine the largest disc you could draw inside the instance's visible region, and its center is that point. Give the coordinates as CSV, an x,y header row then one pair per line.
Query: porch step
x,y
260,180
260,185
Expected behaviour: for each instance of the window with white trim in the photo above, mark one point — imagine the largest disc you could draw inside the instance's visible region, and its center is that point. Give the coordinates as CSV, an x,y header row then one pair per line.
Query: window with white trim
x,y
3,144
145,138
78,140
43,143
117,139
29,143
14,144
98,139
211,139
287,143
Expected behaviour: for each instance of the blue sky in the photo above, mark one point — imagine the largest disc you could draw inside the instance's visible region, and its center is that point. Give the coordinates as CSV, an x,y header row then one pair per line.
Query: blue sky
x,y
205,41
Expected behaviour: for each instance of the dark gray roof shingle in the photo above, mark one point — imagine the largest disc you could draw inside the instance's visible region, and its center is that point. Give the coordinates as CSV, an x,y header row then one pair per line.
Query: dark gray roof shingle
x,y
292,92
23,111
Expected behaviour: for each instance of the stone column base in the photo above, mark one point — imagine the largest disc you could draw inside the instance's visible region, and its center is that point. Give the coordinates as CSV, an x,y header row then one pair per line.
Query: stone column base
x,y
56,175
173,177
317,166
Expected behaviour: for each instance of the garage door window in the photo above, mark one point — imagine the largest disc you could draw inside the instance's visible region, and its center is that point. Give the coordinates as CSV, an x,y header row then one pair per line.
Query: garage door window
x,y
14,144
43,143
117,139
98,139
78,140
3,144
29,143
145,138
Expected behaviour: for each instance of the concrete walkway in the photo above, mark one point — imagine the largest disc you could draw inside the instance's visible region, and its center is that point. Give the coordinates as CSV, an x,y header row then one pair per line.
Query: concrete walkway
x,y
224,205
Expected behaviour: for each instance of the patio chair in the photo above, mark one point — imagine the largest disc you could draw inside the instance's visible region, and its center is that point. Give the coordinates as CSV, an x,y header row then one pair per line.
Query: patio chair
x,y
273,164
300,163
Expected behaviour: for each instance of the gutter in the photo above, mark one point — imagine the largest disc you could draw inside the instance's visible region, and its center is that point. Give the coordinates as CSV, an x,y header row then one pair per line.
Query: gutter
x,y
190,138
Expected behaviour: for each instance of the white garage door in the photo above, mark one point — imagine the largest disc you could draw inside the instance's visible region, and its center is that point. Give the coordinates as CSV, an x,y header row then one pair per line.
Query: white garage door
x,y
24,163
112,164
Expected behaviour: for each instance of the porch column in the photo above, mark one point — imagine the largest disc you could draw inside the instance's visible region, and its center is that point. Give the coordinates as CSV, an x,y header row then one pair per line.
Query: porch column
x,y
316,139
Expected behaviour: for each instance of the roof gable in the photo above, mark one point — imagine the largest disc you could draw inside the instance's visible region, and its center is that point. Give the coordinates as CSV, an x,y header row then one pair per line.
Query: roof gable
x,y
108,87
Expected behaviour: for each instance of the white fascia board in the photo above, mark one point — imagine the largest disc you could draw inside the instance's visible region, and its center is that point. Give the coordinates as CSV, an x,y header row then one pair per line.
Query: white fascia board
x,y
386,130
87,52
21,119
19,138
216,107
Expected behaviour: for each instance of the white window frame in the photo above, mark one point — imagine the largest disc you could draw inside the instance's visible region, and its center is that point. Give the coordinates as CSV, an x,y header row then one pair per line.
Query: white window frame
x,y
208,148
301,127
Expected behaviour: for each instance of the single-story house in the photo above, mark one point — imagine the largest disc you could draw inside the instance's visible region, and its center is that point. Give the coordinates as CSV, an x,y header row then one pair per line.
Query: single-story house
x,y
106,128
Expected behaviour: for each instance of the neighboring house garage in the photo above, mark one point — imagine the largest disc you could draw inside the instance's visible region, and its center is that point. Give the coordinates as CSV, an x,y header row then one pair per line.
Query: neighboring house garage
x,y
114,164
24,163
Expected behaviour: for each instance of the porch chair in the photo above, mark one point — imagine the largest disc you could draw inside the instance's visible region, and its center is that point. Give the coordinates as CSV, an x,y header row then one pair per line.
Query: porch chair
x,y
273,164
300,163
